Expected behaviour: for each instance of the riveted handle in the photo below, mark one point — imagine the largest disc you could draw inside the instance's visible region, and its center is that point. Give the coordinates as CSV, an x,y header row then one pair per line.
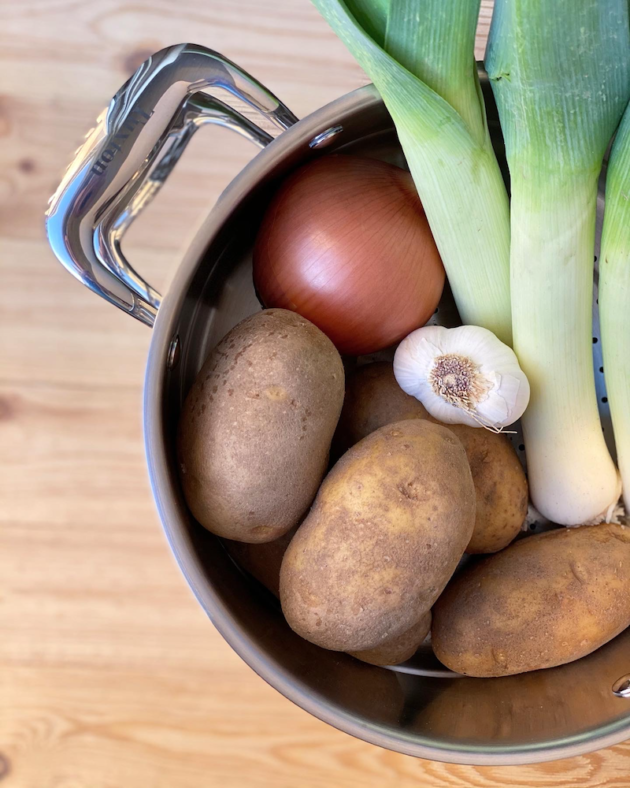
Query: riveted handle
x,y
127,157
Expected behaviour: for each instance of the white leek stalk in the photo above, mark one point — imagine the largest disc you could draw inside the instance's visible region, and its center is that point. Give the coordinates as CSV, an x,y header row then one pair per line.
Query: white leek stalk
x,y
614,297
440,119
560,71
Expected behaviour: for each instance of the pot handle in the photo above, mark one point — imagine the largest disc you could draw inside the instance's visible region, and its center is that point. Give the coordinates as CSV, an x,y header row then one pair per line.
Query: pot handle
x,y
127,157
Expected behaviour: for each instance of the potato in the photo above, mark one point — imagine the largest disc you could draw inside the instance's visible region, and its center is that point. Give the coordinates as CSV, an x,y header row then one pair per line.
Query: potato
x,y
256,427
537,706
400,649
544,601
262,561
373,399
386,531
500,486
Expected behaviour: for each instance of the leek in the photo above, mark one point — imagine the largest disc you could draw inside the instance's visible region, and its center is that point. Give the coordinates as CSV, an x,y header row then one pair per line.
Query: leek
x,y
439,115
560,71
419,35
614,297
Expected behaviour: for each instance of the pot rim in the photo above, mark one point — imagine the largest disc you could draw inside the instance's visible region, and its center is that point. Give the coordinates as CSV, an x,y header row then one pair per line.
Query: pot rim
x,y
166,496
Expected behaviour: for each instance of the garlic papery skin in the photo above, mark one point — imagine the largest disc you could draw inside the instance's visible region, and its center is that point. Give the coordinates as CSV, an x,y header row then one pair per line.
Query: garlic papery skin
x,y
462,375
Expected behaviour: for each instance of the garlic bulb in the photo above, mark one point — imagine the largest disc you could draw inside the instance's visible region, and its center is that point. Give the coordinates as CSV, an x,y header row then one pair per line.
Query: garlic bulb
x,y
462,376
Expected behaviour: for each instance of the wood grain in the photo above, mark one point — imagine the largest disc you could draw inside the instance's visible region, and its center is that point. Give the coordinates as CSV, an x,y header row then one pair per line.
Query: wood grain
x,y
110,674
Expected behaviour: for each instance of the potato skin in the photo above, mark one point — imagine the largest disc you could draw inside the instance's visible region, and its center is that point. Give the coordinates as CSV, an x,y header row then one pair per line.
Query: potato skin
x,y
373,399
263,562
386,531
500,485
536,705
544,601
256,427
400,649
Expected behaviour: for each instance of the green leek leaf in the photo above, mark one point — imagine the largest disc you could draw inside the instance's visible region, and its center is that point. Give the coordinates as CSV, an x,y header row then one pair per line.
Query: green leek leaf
x,y
423,38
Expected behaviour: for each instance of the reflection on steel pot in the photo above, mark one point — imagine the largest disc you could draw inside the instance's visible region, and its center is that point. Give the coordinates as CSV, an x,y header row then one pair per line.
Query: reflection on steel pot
x,y
122,165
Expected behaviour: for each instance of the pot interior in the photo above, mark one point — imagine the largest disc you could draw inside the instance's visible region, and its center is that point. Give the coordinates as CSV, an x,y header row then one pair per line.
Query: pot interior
x,y
418,708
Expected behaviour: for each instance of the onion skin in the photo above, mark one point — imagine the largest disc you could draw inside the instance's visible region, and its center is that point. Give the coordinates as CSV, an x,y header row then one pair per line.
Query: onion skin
x,y
346,244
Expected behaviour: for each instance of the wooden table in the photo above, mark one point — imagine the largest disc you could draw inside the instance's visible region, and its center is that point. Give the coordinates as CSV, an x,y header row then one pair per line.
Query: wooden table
x,y
110,674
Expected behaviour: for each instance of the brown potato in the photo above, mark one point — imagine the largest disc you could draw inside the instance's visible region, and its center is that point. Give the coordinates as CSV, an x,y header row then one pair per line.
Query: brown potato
x,y
544,601
385,534
256,427
540,706
400,649
373,399
263,560
500,486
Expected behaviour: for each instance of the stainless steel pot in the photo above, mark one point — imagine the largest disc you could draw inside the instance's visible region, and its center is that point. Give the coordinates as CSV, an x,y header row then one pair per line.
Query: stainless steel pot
x,y
418,708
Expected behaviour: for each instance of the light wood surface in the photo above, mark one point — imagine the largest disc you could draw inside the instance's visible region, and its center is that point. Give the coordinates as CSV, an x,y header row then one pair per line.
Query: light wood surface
x,y
110,674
